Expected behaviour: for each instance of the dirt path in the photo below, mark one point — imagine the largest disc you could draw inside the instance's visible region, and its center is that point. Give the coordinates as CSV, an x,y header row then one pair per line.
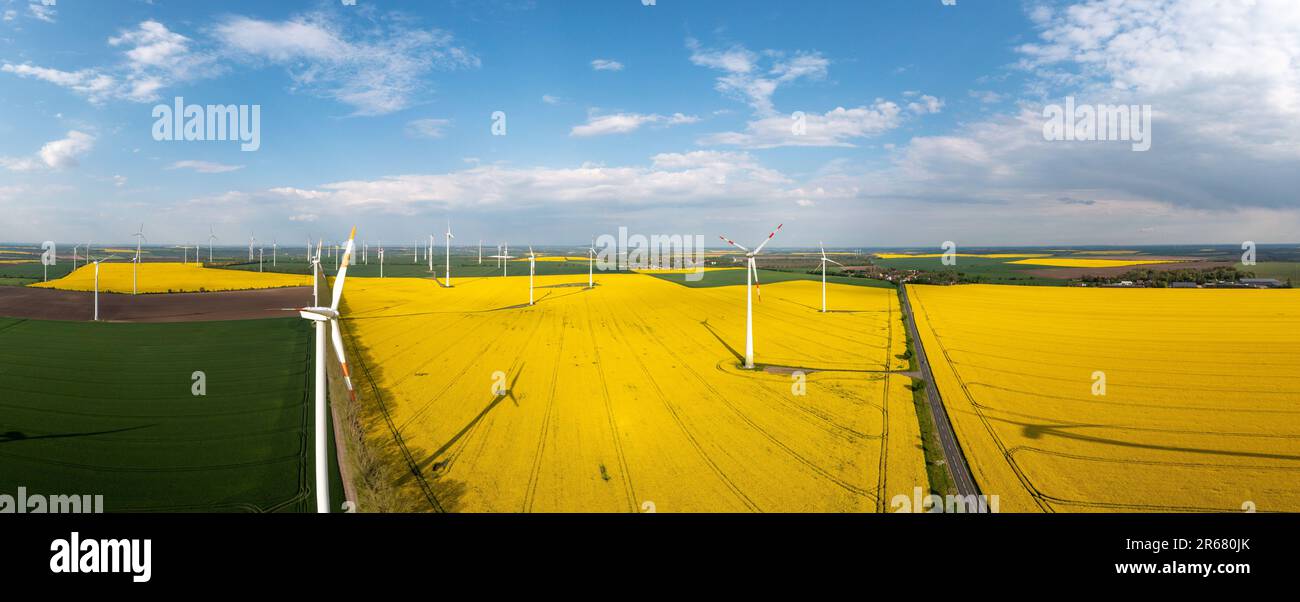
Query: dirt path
x,y
953,457
50,304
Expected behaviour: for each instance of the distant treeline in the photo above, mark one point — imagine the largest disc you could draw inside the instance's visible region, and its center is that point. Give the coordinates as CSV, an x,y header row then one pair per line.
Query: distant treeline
x,y
1159,278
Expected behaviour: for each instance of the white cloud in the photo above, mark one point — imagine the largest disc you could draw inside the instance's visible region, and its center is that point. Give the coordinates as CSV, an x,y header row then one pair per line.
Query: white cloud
x,y
838,127
41,12
427,128
623,123
925,104
153,58
744,78
700,178
205,166
10,14
376,71
56,154
551,100
606,65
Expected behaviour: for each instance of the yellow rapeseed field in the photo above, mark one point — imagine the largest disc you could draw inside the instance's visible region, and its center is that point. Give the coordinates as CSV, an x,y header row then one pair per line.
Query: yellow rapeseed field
x,y
115,277
628,397
1200,409
1074,262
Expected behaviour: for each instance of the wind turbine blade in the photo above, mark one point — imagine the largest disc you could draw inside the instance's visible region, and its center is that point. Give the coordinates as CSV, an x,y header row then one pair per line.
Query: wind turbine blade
x,y
733,243
822,246
769,239
753,268
336,335
343,271
835,262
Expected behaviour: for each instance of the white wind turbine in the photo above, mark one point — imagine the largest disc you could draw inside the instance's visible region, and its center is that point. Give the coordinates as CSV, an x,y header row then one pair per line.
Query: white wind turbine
x,y
97,283
322,318
751,286
260,251
428,252
135,270
212,235
450,236
532,262
591,265
825,260
251,241
502,258
275,249
74,256
480,251
381,259
315,272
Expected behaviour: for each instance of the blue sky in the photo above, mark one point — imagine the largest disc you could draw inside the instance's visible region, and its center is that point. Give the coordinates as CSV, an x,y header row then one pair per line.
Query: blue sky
x,y
923,120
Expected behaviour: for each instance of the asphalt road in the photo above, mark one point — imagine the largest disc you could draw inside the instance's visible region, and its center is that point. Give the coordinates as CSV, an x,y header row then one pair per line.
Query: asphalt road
x,y
953,458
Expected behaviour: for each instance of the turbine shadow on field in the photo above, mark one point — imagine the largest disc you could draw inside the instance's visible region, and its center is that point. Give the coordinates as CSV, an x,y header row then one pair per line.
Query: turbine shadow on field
x,y
389,460
1040,431
432,460
14,436
736,354
834,311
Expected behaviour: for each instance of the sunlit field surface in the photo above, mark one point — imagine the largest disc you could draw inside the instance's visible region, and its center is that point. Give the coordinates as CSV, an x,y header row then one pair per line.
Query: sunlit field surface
x,y
629,397
1201,410
115,277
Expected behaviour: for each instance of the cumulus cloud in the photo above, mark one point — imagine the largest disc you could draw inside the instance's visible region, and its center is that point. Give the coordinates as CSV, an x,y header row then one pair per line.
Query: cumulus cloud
x,y
700,178
57,154
623,123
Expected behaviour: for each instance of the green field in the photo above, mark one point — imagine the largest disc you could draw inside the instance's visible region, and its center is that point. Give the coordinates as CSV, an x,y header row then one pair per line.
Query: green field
x,y
1282,270
992,271
107,409
23,274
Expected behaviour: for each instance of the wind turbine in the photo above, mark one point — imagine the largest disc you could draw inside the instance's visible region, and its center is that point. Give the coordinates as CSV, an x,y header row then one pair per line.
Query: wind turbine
x,y
315,272
251,240
275,249
591,265
428,253
502,258
751,286
323,317
480,251
825,260
74,256
381,259
260,251
97,284
135,270
449,237
212,235
532,262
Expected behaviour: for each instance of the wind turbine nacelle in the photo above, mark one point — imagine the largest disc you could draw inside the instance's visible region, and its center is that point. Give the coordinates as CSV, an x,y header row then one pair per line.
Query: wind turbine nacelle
x,y
319,314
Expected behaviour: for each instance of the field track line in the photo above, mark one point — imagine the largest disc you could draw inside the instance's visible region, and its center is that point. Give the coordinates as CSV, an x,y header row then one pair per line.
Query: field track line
x,y
531,495
685,431
816,469
629,490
